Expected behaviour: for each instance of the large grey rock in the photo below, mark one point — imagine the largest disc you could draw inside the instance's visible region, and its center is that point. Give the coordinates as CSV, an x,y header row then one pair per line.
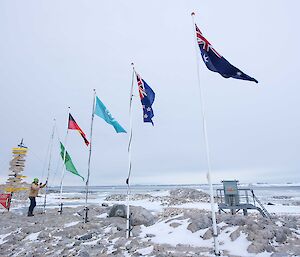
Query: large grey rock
x,y
118,210
141,216
201,222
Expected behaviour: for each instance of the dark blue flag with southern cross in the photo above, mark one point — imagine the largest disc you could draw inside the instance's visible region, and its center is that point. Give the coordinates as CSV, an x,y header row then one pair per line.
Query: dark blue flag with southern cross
x,y
215,62
147,96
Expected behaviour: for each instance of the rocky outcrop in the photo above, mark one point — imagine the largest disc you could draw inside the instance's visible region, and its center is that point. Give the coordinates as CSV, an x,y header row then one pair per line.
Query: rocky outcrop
x,y
177,196
186,195
139,215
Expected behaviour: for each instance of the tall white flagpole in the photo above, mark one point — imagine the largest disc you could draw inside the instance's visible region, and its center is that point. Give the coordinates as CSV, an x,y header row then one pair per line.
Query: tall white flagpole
x,y
211,191
49,165
64,166
89,161
128,225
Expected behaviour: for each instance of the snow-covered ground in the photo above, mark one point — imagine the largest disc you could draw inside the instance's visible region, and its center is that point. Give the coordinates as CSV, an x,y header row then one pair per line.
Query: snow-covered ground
x,y
180,226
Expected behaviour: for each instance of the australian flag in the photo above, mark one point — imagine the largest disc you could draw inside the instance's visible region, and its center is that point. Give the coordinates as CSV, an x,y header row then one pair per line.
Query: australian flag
x,y
215,62
147,96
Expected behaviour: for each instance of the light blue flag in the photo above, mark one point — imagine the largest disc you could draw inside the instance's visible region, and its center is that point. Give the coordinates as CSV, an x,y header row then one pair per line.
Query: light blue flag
x,y
103,113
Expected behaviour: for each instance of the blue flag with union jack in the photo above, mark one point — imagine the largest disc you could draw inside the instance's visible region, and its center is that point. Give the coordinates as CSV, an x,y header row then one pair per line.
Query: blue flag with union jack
x,y
147,96
217,63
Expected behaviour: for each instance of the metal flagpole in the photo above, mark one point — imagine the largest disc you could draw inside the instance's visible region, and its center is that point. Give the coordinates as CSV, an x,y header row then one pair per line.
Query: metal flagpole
x,y
49,164
128,225
212,203
89,162
64,166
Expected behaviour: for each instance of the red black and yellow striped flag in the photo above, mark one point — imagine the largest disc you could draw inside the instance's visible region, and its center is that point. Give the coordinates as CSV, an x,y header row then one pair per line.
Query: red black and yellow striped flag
x,y
73,125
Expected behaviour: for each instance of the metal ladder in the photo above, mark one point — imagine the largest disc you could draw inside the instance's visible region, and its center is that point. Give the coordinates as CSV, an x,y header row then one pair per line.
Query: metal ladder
x,y
261,209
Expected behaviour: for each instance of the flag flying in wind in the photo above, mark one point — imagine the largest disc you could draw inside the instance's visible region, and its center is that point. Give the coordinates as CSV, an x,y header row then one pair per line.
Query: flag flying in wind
x,y
68,161
147,96
73,125
215,62
103,112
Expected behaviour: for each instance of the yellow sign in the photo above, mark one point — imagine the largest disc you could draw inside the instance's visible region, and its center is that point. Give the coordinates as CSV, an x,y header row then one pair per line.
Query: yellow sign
x,y
11,189
19,152
20,149
21,176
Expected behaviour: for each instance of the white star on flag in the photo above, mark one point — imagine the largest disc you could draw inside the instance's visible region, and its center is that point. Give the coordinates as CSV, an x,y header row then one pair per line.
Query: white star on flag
x,y
205,57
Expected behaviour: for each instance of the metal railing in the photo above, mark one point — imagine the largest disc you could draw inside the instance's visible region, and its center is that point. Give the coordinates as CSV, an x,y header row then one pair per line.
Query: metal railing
x,y
245,197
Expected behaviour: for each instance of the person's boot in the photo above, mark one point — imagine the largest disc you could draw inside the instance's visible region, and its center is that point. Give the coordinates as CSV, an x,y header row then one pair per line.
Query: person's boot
x,y
30,214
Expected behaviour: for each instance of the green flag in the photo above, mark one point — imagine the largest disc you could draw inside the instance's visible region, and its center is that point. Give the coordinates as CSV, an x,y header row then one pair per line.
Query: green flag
x,y
68,161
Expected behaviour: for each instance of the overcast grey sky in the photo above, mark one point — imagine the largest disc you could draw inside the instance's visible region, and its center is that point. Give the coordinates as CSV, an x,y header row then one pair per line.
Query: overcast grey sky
x,y
53,53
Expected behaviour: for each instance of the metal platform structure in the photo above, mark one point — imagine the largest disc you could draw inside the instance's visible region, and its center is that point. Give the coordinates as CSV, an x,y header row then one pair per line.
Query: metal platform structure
x,y
234,199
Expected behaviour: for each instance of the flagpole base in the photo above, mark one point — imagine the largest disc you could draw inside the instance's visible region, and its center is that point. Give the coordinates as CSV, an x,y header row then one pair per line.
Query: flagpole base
x,y
61,208
86,210
216,245
129,227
